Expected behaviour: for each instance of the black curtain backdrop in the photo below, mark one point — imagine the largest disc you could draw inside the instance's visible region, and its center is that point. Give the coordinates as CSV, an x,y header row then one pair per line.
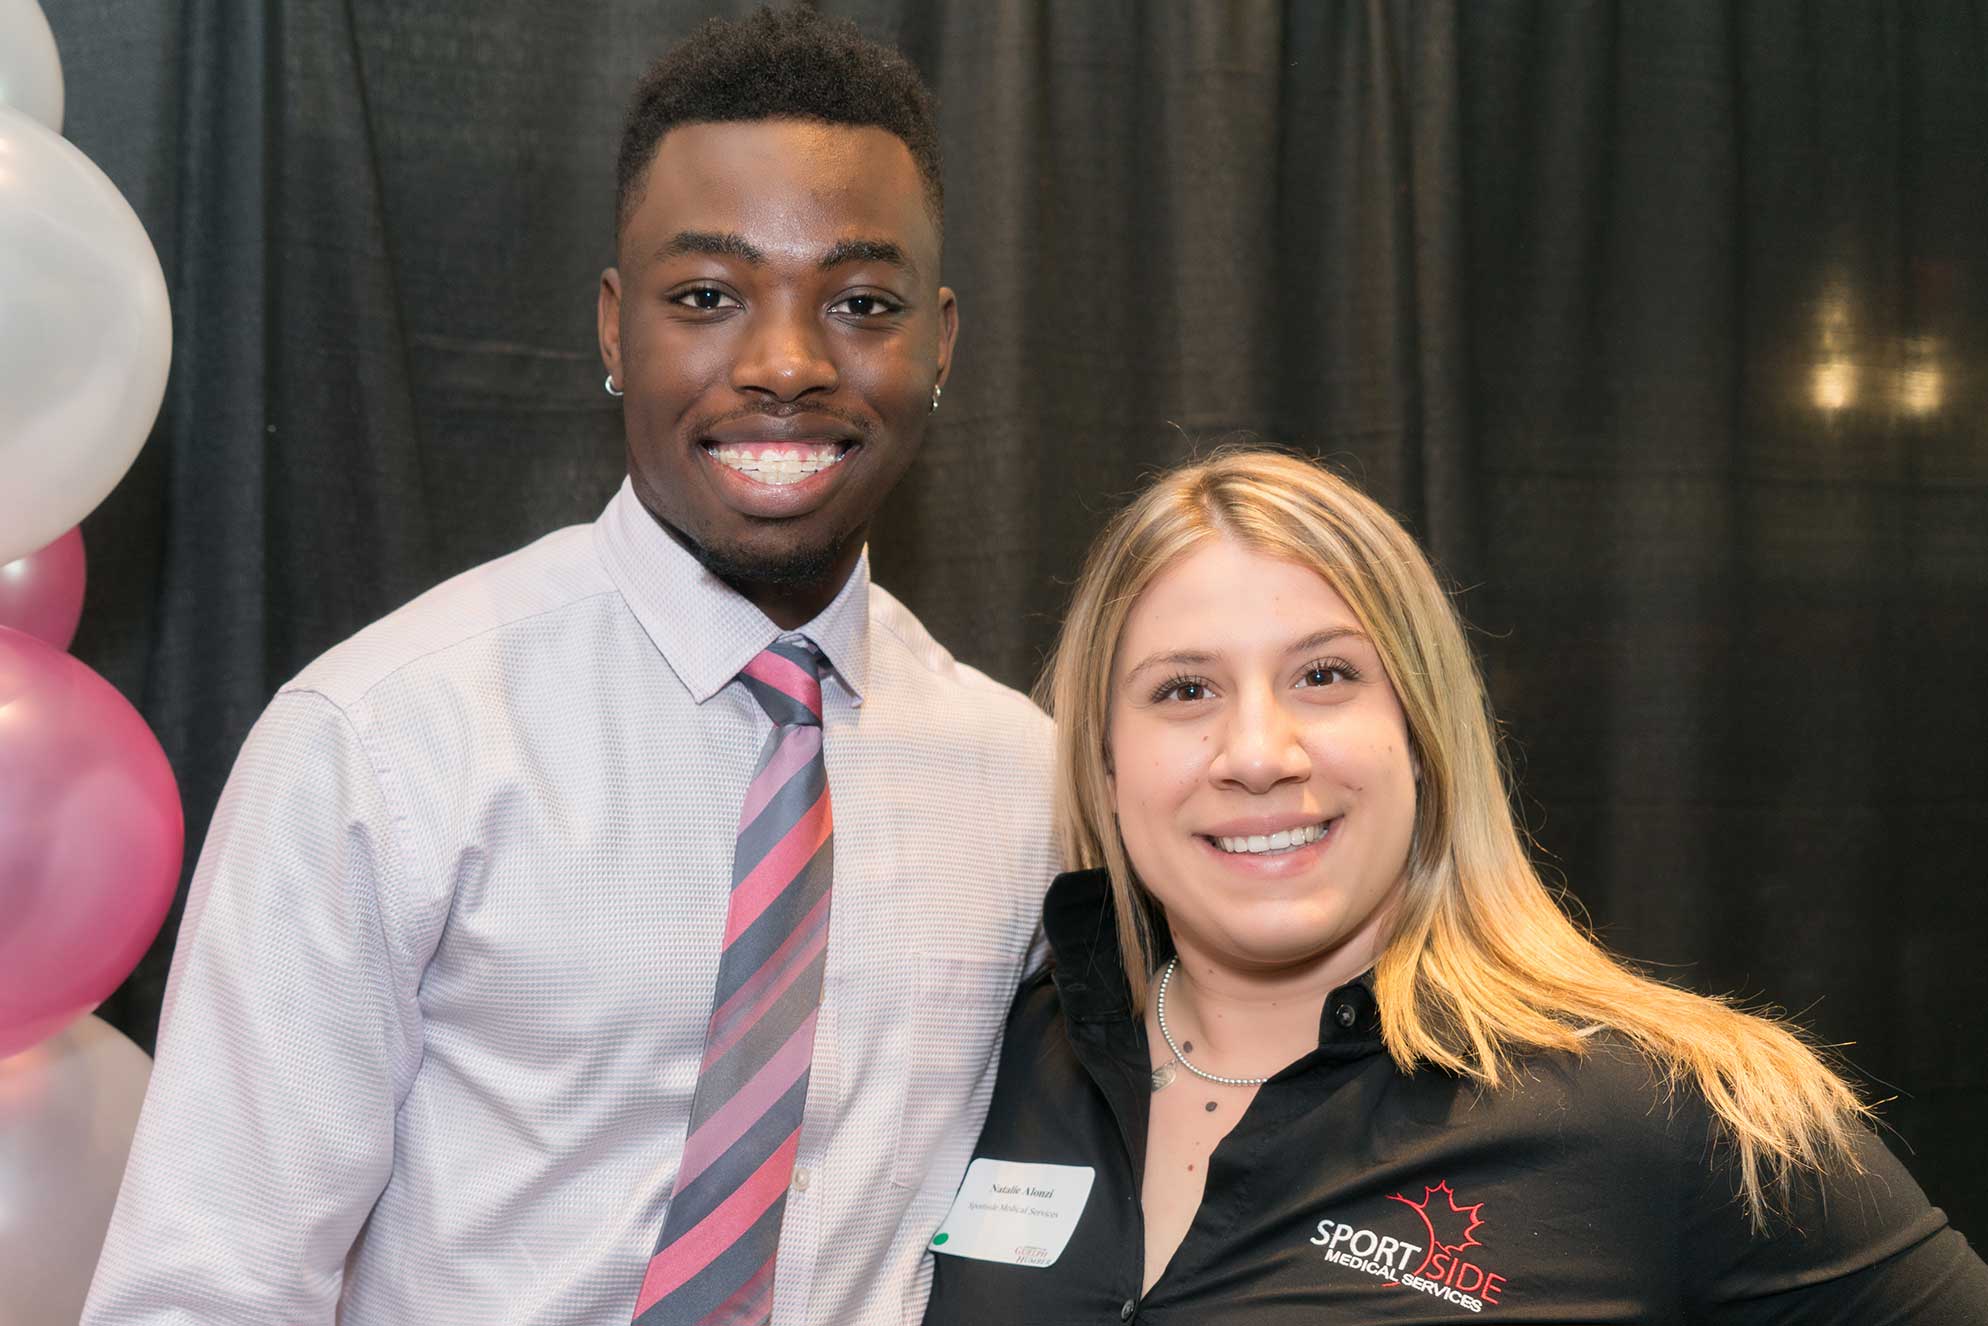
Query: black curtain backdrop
x,y
1662,324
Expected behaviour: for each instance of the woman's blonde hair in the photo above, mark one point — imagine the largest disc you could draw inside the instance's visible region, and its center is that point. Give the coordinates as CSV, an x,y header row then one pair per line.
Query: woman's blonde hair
x,y
1480,965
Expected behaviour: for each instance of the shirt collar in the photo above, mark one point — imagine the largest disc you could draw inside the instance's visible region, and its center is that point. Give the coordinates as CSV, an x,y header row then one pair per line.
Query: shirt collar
x,y
706,630
1082,929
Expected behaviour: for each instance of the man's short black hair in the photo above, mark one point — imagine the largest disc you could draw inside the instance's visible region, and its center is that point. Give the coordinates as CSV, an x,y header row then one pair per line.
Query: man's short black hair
x,y
776,65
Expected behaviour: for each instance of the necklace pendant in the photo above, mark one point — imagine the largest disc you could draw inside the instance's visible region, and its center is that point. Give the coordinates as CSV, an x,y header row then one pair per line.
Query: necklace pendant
x,y
1163,1076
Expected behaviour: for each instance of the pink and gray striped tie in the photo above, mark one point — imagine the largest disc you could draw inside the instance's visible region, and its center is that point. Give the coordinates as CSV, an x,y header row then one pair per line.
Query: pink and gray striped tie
x,y
714,1262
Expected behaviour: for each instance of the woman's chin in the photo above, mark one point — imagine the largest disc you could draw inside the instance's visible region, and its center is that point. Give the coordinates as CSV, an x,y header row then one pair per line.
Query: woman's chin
x,y
1277,946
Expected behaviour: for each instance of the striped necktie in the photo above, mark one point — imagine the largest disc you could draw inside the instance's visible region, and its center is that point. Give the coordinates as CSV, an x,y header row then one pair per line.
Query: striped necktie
x,y
714,1261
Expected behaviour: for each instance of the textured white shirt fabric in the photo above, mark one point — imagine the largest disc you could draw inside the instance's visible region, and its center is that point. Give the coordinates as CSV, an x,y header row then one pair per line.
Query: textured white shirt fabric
x,y
439,999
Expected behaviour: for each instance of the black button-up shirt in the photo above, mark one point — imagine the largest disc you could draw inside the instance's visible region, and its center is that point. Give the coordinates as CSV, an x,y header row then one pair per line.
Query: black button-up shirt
x,y
1584,1191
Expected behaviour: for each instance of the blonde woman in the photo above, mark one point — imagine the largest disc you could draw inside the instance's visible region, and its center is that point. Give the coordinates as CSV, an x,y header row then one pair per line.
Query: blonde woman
x,y
1318,1046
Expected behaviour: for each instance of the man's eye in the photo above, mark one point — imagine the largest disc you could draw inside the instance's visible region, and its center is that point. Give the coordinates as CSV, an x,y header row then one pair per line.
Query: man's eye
x,y
864,306
704,298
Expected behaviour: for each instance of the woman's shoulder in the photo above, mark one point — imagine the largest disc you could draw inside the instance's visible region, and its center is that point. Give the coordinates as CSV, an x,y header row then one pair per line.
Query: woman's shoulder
x,y
1619,1094
1852,1231
1613,1093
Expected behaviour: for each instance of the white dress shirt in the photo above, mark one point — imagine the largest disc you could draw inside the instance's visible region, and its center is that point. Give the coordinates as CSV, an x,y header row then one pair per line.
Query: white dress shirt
x,y
435,1017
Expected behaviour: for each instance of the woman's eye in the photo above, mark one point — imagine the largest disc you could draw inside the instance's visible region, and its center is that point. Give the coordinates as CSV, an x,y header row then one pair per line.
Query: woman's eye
x,y
864,306
705,299
1328,674
1181,688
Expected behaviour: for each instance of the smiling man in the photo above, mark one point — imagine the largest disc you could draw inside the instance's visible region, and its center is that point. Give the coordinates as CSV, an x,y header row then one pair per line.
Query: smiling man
x,y
779,329
593,939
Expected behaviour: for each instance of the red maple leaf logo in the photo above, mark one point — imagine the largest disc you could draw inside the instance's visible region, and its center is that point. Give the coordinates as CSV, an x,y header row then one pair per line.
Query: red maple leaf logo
x,y
1459,1223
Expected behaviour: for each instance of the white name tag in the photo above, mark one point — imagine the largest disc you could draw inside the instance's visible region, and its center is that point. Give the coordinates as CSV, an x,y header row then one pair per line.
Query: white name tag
x,y
1015,1213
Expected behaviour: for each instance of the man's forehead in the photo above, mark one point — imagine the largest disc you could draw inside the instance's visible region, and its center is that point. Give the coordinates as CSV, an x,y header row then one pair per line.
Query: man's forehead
x,y
845,165
849,178
812,140
799,249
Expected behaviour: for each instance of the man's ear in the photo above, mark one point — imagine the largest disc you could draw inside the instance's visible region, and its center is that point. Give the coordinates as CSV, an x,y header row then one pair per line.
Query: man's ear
x,y
607,322
948,333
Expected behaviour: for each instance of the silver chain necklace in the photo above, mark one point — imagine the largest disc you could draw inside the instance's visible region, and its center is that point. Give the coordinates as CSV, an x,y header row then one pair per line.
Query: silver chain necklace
x,y
1160,1008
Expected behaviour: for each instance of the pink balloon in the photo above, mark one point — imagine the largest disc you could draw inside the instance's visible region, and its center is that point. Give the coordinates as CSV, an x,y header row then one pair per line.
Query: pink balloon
x,y
90,839
42,593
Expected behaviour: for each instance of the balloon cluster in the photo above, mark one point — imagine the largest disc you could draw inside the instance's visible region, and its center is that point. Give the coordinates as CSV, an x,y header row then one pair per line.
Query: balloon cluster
x,y
90,825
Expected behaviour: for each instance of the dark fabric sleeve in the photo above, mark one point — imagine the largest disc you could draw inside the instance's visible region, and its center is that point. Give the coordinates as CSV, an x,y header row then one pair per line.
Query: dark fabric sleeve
x,y
1859,1249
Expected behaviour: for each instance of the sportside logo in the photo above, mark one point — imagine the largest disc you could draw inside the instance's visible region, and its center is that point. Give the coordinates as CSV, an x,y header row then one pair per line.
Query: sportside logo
x,y
1436,1265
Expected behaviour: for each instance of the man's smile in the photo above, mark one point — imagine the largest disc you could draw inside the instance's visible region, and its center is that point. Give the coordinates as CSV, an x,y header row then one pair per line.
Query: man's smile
x,y
778,463
778,480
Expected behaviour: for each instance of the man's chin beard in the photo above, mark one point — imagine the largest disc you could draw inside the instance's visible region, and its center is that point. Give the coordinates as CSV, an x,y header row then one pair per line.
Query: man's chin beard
x,y
743,570
798,568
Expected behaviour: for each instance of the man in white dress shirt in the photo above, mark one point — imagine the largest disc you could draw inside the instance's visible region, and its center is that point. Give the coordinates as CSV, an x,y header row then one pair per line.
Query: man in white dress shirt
x,y
436,1018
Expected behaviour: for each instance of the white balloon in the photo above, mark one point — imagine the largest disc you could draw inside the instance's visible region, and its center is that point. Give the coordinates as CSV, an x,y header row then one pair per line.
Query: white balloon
x,y
67,1111
86,335
30,70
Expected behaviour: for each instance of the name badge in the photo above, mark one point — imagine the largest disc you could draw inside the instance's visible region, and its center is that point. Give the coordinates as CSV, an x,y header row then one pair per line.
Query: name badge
x,y
1011,1212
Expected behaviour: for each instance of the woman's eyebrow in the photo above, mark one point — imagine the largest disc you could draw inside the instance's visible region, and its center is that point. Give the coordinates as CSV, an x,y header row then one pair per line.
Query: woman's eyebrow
x,y
1179,658
1320,639
1201,658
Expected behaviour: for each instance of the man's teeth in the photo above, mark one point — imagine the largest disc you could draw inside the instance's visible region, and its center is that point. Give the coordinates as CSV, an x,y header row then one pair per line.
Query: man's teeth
x,y
1284,840
777,466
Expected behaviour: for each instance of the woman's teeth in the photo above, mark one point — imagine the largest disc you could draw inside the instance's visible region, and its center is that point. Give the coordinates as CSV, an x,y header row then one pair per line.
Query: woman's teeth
x,y
778,465
1284,840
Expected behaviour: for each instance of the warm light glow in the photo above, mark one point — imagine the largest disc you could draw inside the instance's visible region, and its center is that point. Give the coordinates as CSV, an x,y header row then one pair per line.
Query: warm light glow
x,y
1835,384
1919,390
1922,386
1833,318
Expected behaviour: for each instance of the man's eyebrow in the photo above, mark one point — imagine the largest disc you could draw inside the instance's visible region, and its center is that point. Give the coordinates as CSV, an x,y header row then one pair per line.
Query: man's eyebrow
x,y
867,250
720,244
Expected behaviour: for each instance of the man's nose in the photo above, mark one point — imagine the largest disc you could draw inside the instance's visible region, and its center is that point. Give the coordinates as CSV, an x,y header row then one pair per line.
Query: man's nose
x,y
786,354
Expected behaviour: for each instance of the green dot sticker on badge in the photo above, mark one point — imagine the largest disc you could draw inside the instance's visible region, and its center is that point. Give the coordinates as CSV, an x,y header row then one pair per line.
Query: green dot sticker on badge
x,y
1016,1213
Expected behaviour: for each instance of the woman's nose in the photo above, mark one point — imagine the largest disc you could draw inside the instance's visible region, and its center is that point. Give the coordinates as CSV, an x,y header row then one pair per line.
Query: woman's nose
x,y
1262,746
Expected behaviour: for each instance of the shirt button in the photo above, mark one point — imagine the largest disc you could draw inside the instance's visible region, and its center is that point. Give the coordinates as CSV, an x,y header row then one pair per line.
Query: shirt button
x,y
1126,1313
1345,1015
801,1180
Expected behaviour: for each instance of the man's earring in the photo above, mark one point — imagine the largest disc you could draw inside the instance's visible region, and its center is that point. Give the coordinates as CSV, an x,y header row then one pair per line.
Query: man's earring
x,y
612,390
937,391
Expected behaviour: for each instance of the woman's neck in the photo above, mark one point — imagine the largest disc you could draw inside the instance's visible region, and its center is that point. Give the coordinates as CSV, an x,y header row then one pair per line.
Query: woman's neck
x,y
1249,1023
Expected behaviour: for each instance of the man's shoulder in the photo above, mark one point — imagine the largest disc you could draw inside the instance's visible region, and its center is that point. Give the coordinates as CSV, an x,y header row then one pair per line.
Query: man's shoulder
x,y
479,607
901,643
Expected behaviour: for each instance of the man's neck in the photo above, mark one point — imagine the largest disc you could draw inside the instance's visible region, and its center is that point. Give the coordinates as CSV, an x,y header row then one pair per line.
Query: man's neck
x,y
789,604
792,606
